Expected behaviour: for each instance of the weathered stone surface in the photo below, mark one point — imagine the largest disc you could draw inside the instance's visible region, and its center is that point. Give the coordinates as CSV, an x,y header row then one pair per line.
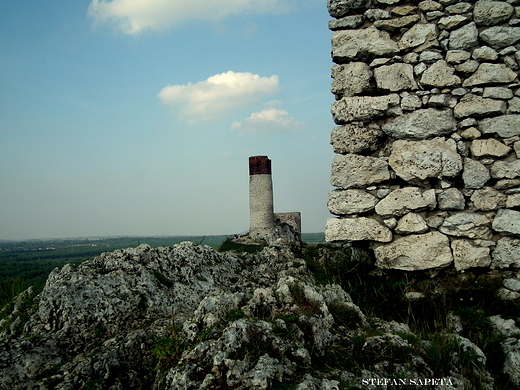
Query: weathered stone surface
x,y
423,159
511,348
401,201
353,21
484,53
464,38
451,199
350,45
362,108
467,67
497,93
420,35
513,201
507,221
504,327
474,105
490,13
410,102
499,37
475,174
418,124
507,252
351,79
356,229
469,225
457,56
490,74
340,8
403,10
411,223
415,252
429,5
396,24
505,126
355,138
377,14
467,255
488,199
512,284
489,147
351,171
451,22
395,77
440,75
505,170
343,202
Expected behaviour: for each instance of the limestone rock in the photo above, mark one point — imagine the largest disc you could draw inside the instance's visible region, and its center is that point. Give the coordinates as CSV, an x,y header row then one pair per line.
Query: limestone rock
x,y
507,222
475,174
484,53
413,160
507,253
488,199
511,348
504,169
342,202
415,252
504,327
466,255
499,37
497,93
505,126
420,35
429,5
457,56
489,147
512,284
440,75
469,225
340,8
401,201
356,229
351,170
351,45
464,38
351,79
347,22
490,13
363,108
395,77
410,102
452,21
396,24
418,124
488,73
451,199
411,223
513,201
474,105
355,138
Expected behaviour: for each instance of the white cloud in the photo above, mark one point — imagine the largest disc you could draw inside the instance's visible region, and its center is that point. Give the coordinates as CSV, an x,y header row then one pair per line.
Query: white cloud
x,y
136,16
268,120
218,95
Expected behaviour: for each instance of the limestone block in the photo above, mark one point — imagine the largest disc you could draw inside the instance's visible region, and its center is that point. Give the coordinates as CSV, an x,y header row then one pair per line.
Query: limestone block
x,y
415,252
351,170
411,223
430,56
419,36
489,147
429,5
457,56
396,24
504,327
353,21
467,255
464,38
410,102
513,106
497,93
506,253
344,202
512,284
507,222
513,201
484,53
488,199
490,13
423,159
356,229
475,174
418,124
351,79
516,146
499,37
505,170
401,201
377,14
451,199
471,133
395,77
474,105
340,8
458,8
506,126
363,108
490,74
355,138
471,225
467,67
404,10
451,22
350,45
440,75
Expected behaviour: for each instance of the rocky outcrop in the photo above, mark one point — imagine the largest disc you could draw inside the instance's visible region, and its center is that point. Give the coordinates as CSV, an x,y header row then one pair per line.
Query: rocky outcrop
x,y
428,104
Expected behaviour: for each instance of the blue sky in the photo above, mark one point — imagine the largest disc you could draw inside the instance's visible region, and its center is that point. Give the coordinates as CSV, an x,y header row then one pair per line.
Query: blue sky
x,y
137,117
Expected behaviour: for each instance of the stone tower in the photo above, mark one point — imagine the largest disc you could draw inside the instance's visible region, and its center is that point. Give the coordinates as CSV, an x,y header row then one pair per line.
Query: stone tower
x,y
261,208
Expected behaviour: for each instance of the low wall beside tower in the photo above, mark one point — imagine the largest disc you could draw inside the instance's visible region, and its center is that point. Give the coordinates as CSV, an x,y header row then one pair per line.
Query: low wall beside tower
x,y
428,137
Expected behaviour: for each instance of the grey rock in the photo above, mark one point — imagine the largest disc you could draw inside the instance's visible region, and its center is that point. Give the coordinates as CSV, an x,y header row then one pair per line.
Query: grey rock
x,y
351,79
467,255
440,75
411,223
356,229
356,138
377,14
457,56
352,171
471,133
507,295
412,160
396,77
396,24
507,253
363,108
418,124
490,13
507,221
511,348
484,53
513,201
415,252
504,327
451,199
429,5
475,174
459,8
489,148
467,67
343,202
341,8
474,105
351,45
499,37
497,93
347,22
471,225
451,22
401,201
419,36
430,56
505,126
464,38
512,284
490,74
487,199
410,102
505,170
513,106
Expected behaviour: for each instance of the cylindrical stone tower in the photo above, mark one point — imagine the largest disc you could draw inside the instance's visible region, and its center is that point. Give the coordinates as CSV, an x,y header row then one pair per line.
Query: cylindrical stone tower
x,y
260,196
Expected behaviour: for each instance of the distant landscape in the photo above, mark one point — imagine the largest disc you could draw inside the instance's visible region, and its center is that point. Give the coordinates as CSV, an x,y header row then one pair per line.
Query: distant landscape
x,y
29,262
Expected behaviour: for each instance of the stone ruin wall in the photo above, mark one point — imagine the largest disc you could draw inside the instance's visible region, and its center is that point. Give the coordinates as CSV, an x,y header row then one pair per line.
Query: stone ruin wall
x,y
428,139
